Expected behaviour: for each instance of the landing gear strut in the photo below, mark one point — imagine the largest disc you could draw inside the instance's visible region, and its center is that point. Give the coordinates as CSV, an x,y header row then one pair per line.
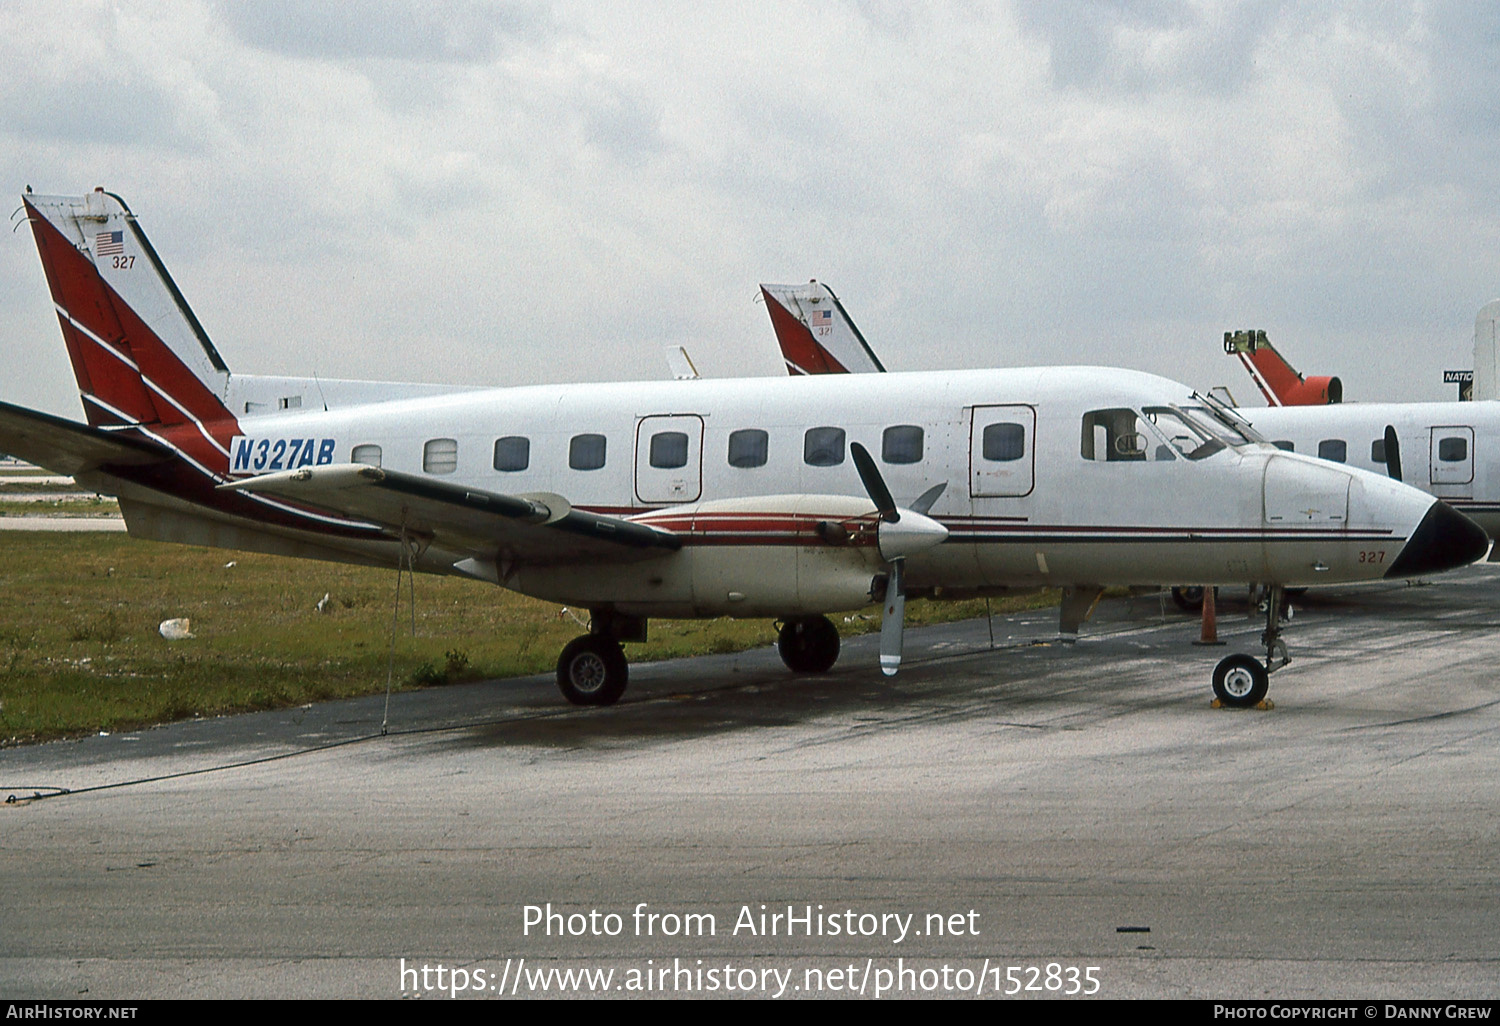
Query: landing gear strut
x,y
1241,681
808,644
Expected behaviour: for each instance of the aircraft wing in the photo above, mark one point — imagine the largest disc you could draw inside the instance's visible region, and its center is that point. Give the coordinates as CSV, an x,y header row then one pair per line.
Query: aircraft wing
x,y
531,528
65,447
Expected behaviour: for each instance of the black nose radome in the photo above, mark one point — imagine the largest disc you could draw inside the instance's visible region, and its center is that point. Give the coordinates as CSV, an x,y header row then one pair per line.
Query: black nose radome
x,y
1443,540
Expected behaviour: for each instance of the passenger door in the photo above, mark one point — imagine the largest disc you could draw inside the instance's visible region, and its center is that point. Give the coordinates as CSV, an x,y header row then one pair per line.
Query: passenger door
x,y
1452,456
669,459
1002,444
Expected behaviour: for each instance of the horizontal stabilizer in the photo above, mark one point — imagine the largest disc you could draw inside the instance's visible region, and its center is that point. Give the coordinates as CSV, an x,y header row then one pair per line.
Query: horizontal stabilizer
x,y
67,447
527,528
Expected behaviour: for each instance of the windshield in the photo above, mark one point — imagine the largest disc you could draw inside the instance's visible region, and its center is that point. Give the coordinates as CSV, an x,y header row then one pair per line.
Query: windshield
x,y
1184,432
1228,418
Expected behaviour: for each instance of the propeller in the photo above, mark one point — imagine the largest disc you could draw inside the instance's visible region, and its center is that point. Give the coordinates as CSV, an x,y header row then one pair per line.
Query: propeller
x,y
901,533
1392,453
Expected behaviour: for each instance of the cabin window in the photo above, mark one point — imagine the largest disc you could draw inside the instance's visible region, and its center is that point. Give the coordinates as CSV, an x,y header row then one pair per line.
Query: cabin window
x,y
1285,446
1377,451
367,454
669,450
1453,450
823,447
512,453
902,444
1002,443
748,448
586,452
1335,450
440,456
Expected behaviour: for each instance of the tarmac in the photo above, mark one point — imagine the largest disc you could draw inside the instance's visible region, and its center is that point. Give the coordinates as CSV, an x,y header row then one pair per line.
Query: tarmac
x,y
1055,818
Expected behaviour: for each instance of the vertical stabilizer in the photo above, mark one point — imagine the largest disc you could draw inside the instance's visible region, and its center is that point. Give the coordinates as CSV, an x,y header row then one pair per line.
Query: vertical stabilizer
x,y
815,332
1486,369
138,352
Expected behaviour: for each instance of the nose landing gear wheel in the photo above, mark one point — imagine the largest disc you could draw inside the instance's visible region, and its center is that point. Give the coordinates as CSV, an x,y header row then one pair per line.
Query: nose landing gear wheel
x,y
592,670
1240,681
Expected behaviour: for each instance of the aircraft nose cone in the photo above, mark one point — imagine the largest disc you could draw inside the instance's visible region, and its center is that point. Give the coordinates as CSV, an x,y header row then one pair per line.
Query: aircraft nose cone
x,y
1443,540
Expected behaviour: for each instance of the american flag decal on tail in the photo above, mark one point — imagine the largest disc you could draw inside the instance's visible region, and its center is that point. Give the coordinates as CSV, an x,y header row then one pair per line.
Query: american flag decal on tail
x,y
109,244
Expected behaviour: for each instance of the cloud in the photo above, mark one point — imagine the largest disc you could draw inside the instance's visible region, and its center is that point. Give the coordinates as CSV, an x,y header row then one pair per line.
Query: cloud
x,y
505,192
456,31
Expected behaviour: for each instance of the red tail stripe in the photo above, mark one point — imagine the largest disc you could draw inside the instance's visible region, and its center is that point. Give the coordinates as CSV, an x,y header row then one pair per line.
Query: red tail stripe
x,y
797,343
104,333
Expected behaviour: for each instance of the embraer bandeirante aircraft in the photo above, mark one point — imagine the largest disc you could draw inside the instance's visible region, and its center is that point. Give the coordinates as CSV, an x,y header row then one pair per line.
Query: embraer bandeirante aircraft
x,y
1449,450
753,497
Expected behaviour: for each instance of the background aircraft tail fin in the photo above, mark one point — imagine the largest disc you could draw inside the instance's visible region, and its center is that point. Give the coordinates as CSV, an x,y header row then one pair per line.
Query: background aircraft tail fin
x,y
1487,353
138,352
815,332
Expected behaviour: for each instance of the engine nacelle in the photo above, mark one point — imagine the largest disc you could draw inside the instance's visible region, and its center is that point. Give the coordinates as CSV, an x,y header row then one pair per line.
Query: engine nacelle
x,y
771,555
781,555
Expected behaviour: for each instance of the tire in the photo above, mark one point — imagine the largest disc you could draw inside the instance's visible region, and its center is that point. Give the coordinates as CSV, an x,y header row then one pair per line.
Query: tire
x,y
592,670
808,644
1189,599
1240,681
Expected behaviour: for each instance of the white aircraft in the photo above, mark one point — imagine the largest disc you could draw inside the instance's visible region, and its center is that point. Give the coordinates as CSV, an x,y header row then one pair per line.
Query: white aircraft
x,y
1452,450
756,497
1448,449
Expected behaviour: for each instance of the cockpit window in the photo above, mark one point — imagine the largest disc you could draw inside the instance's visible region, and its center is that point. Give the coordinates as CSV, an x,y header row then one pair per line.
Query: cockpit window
x,y
1122,435
1215,426
1238,429
1187,433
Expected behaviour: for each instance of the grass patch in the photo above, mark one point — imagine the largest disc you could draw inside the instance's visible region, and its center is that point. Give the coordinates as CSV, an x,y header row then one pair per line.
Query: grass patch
x,y
82,505
32,487
80,650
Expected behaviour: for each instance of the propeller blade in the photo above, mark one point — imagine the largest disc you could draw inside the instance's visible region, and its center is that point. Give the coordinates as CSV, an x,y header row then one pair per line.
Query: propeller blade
x,y
892,623
1392,453
927,499
874,484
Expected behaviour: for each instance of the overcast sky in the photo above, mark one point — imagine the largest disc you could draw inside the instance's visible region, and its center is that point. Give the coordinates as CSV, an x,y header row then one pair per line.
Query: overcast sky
x,y
490,192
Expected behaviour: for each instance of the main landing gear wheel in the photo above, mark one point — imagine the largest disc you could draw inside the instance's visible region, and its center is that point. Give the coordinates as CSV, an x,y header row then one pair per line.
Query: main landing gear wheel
x,y
1240,681
808,644
592,670
1190,599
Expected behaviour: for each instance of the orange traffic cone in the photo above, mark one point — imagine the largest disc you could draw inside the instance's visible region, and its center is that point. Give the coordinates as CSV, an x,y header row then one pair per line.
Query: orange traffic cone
x,y
1210,632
